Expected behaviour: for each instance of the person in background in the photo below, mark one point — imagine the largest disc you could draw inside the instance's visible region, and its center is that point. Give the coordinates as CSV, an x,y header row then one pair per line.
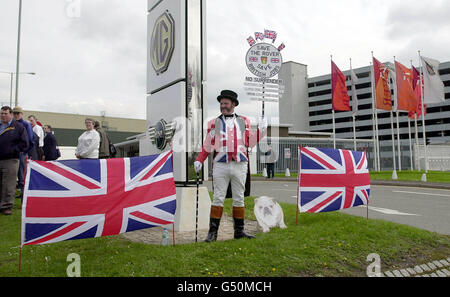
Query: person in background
x,y
40,133
18,116
13,141
49,148
88,142
103,151
270,163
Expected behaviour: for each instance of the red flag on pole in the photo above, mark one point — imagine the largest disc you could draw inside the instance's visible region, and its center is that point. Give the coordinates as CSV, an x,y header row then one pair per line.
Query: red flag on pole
x,y
382,90
340,97
406,99
416,86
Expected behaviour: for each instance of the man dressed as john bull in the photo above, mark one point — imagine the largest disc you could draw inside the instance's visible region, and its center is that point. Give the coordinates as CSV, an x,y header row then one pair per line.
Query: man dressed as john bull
x,y
229,136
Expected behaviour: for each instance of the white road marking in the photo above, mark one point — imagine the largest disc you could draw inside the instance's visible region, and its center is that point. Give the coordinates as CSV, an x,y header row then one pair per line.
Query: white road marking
x,y
390,211
418,193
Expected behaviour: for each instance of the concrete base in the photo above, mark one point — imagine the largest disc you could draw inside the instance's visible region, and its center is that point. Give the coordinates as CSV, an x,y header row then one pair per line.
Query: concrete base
x,y
287,173
394,175
424,177
186,209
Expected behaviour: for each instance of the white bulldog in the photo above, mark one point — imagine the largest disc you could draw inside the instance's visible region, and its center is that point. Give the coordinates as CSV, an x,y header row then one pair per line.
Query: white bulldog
x,y
268,213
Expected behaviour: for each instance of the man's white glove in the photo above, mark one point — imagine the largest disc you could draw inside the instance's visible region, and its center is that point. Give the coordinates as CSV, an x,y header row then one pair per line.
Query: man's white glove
x,y
198,166
262,124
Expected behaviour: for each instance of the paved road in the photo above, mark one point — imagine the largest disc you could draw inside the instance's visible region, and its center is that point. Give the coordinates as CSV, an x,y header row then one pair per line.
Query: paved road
x,y
427,209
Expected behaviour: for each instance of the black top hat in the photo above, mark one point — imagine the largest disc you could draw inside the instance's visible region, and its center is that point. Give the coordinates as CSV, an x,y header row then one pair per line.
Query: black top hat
x,y
229,95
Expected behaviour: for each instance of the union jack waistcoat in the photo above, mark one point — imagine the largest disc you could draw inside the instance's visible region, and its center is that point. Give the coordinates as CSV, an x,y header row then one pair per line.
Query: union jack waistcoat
x,y
229,142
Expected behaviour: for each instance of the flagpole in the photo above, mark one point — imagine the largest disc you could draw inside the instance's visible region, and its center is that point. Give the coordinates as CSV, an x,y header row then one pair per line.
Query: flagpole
x,y
374,108
263,98
332,107
394,173
196,208
397,115
367,206
353,107
299,153
374,139
410,144
367,210
376,118
173,224
373,119
354,132
375,151
415,123
20,247
399,144
417,140
424,177
378,140
23,215
334,131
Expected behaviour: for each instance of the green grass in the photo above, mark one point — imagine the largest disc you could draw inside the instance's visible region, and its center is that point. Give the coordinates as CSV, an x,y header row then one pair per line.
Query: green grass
x,y
432,176
328,244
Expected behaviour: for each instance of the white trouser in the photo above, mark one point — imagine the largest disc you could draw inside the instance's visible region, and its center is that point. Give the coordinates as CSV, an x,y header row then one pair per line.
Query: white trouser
x,y
223,174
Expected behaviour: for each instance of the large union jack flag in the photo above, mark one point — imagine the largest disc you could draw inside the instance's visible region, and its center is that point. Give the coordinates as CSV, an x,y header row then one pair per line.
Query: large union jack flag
x,y
332,179
76,199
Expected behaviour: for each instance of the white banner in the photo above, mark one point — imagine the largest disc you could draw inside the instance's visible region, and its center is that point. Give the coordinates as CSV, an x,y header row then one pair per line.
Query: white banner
x,y
433,85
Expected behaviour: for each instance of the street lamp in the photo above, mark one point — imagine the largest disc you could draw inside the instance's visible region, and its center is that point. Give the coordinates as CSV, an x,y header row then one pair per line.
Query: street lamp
x,y
18,52
11,87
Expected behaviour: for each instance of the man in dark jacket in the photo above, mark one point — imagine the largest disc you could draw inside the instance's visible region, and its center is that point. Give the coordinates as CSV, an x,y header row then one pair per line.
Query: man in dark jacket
x,y
13,141
49,148
103,150
18,116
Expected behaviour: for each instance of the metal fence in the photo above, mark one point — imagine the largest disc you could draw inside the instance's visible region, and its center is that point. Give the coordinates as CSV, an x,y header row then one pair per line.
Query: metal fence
x,y
285,151
285,154
438,157
127,149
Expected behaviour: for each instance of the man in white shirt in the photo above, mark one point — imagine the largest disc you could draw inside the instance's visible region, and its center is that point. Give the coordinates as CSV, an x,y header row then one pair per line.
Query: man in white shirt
x,y
88,142
40,133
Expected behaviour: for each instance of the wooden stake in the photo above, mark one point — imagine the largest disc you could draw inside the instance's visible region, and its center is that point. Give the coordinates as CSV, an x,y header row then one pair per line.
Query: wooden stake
x,y
367,206
20,258
173,234
298,183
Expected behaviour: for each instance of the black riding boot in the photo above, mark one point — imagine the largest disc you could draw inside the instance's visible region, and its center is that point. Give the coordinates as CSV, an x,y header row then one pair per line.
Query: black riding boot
x,y
213,229
239,230
214,222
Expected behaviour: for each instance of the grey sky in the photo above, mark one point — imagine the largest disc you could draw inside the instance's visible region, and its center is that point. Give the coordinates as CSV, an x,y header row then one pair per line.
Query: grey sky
x,y
96,61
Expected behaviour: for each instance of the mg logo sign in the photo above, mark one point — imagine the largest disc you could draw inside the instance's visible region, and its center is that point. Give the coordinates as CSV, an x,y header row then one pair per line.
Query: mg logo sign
x,y
162,42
